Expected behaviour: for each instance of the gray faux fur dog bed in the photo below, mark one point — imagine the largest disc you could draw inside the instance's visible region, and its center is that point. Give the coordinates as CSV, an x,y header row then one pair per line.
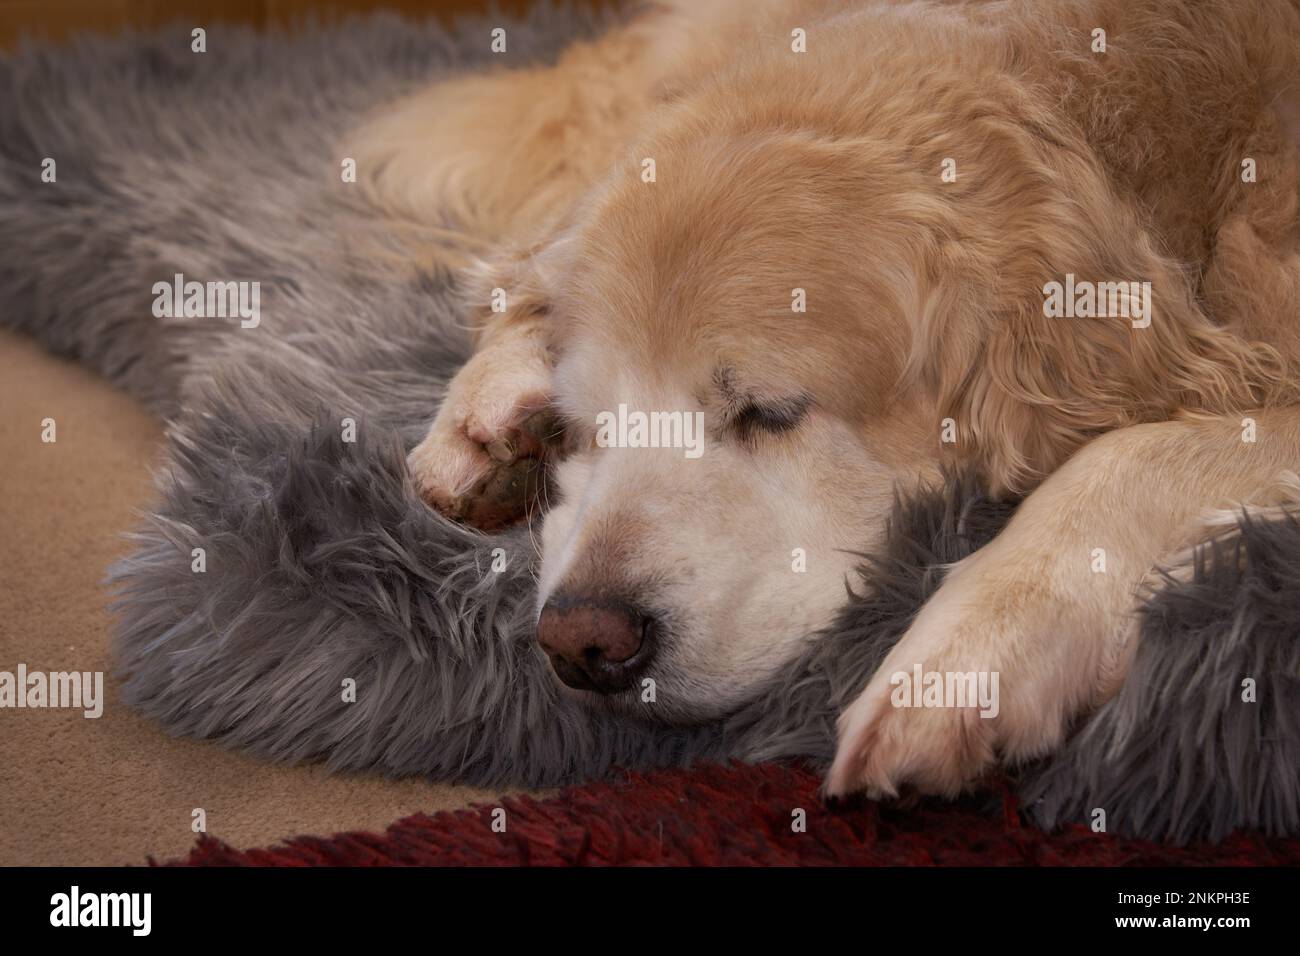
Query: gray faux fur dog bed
x,y
321,563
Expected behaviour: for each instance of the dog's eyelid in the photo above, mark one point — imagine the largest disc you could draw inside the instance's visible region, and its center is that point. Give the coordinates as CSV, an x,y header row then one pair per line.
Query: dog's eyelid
x,y
745,412
770,415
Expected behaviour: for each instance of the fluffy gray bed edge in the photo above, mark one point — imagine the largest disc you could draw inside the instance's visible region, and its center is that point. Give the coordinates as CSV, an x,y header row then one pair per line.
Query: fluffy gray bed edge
x,y
321,564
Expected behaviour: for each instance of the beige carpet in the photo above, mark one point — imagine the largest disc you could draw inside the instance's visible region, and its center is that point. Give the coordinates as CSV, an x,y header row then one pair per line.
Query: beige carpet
x,y
116,790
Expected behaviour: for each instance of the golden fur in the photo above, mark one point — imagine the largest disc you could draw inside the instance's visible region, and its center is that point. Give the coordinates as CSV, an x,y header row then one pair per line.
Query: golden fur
x,y
822,171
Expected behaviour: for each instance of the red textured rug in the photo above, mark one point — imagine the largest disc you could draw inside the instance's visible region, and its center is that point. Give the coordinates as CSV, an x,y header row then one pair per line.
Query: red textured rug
x,y
735,815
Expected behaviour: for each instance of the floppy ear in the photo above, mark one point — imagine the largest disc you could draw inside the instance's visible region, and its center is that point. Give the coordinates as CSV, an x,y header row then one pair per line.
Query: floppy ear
x,y
1027,385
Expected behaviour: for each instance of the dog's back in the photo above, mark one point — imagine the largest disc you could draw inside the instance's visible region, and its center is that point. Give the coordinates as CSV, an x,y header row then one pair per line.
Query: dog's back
x,y
1173,96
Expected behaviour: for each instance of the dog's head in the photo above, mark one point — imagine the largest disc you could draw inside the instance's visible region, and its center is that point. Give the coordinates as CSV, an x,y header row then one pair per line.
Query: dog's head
x,y
729,377
803,320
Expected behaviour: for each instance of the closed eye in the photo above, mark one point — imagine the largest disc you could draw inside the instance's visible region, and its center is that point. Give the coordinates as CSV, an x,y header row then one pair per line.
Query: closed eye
x,y
773,417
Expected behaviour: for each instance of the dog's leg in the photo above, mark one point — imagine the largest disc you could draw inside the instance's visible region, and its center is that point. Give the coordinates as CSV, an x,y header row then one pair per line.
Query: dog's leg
x,y
484,459
1048,605
495,154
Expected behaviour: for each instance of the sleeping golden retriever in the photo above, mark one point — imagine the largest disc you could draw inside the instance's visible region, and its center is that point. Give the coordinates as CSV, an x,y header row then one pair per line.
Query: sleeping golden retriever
x,y
755,265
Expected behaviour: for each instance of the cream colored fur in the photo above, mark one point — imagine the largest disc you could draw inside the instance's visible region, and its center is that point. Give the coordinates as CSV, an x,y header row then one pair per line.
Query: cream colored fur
x,y
822,170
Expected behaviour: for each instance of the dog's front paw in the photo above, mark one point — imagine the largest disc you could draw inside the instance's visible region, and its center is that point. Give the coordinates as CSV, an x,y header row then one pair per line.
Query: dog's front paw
x,y
484,460
906,730
993,668
885,746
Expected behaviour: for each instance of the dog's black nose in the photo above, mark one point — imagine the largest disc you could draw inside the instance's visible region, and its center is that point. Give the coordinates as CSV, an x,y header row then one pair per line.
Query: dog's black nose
x,y
596,645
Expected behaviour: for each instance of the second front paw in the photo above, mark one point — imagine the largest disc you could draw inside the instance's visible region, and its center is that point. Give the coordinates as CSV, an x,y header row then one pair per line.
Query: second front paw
x,y
993,669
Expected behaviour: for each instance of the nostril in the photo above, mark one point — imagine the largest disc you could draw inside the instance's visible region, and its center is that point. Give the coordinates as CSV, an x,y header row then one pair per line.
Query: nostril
x,y
595,644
